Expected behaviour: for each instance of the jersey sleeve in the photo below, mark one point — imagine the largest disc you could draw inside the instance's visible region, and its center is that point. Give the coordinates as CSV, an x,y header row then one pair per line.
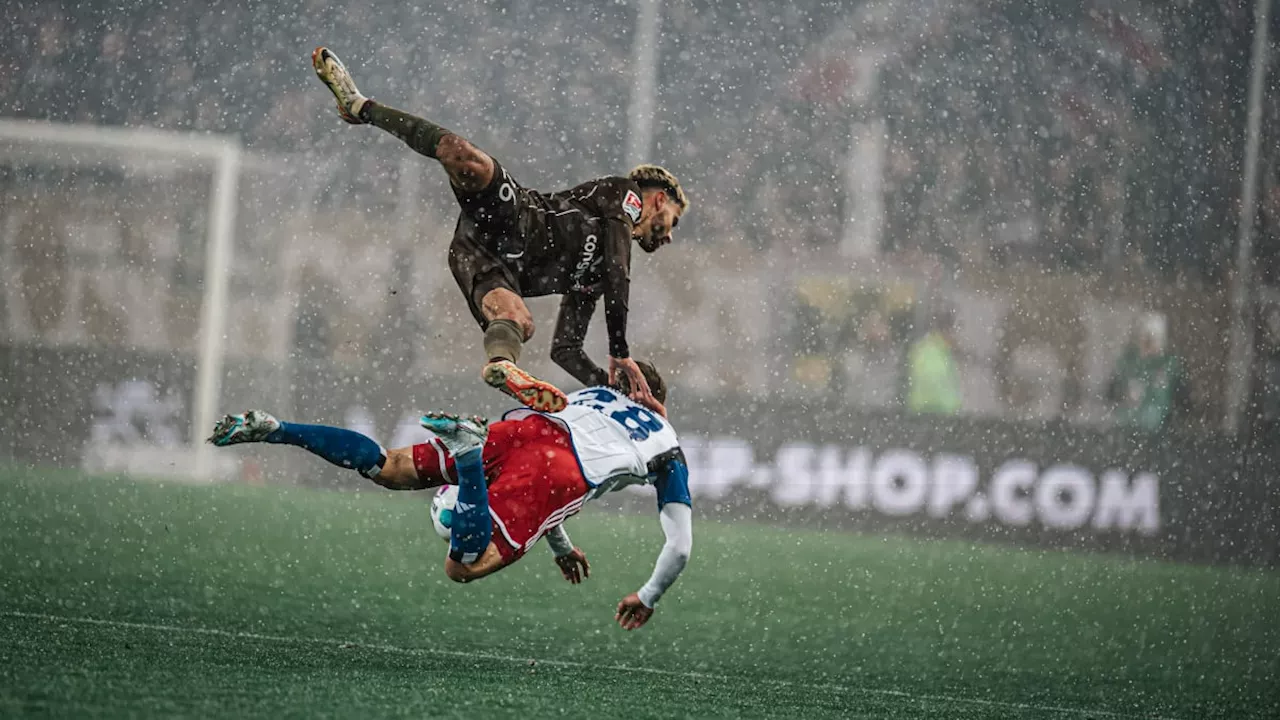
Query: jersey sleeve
x,y
615,198
617,289
672,479
576,310
677,525
617,202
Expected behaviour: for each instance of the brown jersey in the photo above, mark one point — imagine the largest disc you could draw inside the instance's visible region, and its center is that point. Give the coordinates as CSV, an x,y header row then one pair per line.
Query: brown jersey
x,y
575,243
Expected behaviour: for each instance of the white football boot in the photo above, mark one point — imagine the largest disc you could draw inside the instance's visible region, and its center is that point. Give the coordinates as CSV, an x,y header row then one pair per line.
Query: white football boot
x,y
334,75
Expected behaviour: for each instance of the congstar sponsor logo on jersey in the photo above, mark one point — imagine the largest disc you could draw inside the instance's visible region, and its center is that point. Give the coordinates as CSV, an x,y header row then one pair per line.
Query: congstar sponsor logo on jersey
x,y
899,482
588,261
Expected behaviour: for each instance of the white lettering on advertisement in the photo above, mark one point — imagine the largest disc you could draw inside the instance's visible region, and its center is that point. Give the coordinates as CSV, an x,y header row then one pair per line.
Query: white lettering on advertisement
x,y
899,482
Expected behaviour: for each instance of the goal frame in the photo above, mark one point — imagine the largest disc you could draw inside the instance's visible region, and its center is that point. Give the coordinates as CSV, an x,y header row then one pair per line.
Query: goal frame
x,y
224,154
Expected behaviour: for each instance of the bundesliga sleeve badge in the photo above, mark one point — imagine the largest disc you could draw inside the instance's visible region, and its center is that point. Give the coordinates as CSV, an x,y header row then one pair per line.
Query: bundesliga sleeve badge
x,y
631,206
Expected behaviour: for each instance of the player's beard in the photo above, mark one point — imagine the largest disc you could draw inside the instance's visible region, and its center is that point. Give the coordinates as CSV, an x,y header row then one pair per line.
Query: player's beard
x,y
652,240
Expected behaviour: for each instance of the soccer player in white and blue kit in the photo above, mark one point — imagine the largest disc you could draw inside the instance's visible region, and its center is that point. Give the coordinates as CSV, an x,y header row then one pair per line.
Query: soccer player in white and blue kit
x,y
502,487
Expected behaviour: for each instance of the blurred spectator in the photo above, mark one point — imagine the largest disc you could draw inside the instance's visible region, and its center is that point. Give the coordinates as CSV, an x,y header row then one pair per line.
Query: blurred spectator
x,y
821,330
933,382
1148,386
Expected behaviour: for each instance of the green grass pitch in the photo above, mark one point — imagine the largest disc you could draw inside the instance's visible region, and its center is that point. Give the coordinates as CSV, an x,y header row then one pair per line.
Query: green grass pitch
x,y
157,599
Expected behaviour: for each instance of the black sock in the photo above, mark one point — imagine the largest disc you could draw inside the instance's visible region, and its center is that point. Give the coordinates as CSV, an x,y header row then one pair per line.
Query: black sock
x,y
420,134
503,340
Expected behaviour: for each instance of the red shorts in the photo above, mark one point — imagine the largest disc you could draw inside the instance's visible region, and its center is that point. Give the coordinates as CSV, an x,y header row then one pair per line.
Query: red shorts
x,y
535,481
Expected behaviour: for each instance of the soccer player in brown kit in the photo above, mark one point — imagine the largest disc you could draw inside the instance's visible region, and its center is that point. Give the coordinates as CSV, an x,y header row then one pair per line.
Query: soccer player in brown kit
x,y
511,243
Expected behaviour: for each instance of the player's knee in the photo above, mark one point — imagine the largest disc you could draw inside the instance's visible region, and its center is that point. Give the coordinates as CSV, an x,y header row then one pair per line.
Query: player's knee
x,y
454,149
468,166
398,472
562,356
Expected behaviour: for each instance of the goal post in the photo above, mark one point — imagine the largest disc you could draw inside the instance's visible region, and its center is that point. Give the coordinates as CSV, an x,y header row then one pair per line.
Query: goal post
x,y
213,307
71,147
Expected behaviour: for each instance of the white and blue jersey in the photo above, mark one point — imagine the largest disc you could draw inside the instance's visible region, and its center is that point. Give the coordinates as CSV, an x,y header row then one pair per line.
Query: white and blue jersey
x,y
619,442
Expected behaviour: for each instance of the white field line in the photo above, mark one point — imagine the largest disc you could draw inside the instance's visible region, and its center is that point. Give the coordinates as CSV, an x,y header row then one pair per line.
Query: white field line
x,y
627,669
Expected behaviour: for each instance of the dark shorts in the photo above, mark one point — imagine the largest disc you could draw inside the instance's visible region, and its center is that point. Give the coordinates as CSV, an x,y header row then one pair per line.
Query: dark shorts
x,y
487,236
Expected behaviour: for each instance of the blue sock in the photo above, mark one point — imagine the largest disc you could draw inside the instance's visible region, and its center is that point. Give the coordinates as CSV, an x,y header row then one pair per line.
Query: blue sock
x,y
344,448
471,529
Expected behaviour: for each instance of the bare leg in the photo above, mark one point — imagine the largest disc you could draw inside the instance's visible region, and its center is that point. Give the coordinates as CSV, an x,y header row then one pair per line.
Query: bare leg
x,y
510,324
398,473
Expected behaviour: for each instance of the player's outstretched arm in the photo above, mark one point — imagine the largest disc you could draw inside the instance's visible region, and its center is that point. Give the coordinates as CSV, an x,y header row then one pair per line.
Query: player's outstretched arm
x,y
677,522
675,512
571,560
617,294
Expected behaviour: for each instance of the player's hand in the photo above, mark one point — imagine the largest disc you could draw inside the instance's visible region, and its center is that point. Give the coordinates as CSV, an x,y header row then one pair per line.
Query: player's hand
x,y
632,613
574,566
640,391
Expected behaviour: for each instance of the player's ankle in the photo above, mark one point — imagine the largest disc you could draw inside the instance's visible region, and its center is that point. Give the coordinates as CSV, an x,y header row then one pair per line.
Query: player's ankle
x,y
503,340
360,107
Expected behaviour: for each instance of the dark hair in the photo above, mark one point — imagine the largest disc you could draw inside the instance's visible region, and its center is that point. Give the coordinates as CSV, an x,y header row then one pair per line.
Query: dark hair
x,y
656,384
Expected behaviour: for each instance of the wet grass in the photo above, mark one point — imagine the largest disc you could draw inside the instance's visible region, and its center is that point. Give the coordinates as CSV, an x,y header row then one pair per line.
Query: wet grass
x,y
157,599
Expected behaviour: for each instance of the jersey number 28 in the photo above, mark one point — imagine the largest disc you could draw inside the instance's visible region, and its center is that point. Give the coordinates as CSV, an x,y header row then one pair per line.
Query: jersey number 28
x,y
640,423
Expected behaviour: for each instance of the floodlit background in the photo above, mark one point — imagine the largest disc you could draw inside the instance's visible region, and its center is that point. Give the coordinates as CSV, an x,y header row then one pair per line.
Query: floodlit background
x,y
1062,181
979,270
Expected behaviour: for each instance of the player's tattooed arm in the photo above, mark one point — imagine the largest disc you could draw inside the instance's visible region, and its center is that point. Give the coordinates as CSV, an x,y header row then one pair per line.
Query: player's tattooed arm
x,y
576,310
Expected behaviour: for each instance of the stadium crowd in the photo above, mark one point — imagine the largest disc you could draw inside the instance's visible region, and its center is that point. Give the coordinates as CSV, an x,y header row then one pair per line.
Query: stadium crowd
x,y
1116,117
1117,141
